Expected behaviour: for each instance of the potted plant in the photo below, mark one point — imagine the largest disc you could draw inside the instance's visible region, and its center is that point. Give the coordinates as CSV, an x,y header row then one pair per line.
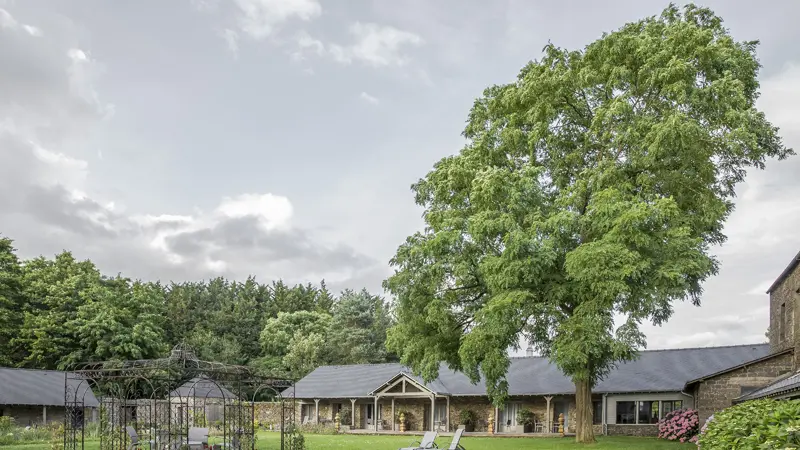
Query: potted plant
x,y
526,419
468,419
345,418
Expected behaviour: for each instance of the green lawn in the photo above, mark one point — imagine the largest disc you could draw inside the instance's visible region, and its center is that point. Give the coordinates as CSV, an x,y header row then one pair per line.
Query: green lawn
x,y
271,441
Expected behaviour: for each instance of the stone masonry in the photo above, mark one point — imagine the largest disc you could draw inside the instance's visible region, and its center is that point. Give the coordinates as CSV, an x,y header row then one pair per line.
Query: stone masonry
x,y
717,393
783,326
632,430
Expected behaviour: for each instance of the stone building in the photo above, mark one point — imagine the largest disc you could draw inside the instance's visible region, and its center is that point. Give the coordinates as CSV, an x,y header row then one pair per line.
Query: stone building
x,y
36,397
629,401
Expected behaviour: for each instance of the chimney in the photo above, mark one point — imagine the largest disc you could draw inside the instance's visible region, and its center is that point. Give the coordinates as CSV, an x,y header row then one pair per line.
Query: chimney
x,y
529,352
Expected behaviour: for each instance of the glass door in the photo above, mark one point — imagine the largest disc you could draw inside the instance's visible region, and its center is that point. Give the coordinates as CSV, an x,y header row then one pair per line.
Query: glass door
x,y
440,417
508,417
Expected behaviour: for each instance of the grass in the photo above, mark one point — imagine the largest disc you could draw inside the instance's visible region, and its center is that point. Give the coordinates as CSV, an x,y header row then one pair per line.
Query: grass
x,y
271,441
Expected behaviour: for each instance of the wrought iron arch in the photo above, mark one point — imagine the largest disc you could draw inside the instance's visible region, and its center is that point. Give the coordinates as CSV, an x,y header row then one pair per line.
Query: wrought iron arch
x,y
151,400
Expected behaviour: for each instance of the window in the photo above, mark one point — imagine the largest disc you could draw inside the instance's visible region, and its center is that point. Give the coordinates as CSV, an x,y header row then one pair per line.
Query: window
x,y
597,412
668,406
626,412
782,325
648,412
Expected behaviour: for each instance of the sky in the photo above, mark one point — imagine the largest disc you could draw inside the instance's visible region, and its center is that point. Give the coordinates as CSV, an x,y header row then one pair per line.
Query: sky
x,y
186,139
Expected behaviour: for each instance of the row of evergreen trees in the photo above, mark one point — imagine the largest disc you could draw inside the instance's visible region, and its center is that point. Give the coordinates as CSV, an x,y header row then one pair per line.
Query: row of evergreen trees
x,y
55,313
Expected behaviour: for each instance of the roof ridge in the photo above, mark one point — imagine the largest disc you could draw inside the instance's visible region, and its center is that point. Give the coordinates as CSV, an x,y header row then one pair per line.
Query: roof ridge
x,y
365,364
665,349
703,348
35,370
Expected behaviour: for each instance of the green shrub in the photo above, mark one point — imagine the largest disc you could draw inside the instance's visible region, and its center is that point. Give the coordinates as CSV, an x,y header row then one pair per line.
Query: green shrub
x,y
295,439
6,424
759,424
467,417
525,417
345,416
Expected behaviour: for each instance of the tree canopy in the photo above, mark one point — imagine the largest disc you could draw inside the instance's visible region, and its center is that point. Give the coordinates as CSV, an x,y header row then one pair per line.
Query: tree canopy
x,y
58,312
592,188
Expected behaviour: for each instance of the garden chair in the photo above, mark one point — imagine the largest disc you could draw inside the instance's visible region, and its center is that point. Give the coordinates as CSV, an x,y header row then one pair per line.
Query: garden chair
x,y
135,442
456,443
198,438
426,442
538,427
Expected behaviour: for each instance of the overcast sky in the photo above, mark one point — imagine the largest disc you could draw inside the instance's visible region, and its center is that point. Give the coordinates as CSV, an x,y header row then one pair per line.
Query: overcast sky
x,y
183,139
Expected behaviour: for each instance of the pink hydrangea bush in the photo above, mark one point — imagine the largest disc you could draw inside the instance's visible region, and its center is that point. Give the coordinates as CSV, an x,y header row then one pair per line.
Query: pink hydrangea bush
x,y
680,425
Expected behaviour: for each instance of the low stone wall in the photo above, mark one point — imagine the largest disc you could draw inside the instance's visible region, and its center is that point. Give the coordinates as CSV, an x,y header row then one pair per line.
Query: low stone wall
x,y
268,414
633,430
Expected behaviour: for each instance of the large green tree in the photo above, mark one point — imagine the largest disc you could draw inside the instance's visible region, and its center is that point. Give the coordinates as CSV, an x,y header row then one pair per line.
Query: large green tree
x,y
55,290
593,186
11,302
122,320
357,332
292,334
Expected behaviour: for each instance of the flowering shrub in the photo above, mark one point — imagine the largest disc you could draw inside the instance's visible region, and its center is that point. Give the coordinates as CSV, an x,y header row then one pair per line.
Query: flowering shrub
x,y
679,425
759,424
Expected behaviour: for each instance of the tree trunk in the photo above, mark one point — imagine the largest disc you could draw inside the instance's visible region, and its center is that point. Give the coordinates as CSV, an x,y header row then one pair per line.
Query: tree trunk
x,y
584,433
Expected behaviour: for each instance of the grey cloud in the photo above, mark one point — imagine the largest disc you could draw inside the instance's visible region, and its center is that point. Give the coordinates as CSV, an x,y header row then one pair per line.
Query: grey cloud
x,y
243,238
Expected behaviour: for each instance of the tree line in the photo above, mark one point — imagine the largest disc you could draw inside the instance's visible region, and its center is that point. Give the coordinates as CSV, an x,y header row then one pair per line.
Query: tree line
x,y
58,312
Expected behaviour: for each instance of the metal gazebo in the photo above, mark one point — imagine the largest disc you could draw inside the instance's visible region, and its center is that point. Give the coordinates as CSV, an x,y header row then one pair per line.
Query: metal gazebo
x,y
160,403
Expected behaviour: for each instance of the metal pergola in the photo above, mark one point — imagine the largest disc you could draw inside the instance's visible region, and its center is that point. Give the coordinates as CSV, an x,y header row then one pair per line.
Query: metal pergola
x,y
158,401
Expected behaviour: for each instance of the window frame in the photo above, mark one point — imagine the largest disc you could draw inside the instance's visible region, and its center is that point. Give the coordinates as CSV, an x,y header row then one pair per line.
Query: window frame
x,y
650,415
782,324
654,419
597,419
617,412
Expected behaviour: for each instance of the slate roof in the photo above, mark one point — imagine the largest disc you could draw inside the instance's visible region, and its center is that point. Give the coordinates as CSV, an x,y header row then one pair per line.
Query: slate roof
x,y
785,386
40,387
653,371
202,387
736,367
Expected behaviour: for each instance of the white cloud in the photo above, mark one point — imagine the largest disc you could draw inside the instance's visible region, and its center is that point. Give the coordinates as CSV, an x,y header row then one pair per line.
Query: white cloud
x,y
376,45
272,211
8,21
369,99
260,18
231,38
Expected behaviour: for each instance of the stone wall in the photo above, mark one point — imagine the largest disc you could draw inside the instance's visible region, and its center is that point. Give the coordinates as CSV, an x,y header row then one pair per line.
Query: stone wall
x,y
268,414
632,430
717,393
785,293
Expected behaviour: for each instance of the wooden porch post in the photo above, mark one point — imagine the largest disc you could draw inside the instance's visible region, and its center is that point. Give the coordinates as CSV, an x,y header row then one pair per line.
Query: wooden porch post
x,y
353,413
316,411
433,412
393,428
375,414
549,416
44,415
496,419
